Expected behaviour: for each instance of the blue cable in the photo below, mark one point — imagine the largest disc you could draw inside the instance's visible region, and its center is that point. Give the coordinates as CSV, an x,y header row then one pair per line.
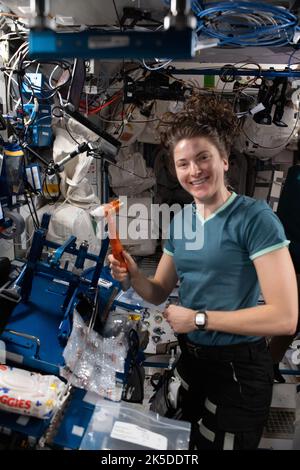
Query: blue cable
x,y
244,40
281,33
248,7
241,39
196,7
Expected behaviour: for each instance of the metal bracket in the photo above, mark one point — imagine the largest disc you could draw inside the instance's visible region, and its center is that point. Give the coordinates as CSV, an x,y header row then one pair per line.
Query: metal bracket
x,y
32,338
70,243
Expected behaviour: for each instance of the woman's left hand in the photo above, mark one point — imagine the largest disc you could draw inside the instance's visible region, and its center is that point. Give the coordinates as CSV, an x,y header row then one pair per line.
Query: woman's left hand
x,y
181,319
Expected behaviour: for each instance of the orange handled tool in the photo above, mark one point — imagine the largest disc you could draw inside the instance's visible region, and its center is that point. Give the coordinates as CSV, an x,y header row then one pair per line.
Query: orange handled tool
x,y
117,248
114,240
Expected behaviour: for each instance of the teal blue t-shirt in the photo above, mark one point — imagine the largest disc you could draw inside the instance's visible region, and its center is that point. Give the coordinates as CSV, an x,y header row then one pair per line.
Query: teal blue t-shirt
x,y
214,258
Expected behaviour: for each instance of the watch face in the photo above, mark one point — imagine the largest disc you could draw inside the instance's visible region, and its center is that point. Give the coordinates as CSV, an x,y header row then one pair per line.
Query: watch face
x,y
200,319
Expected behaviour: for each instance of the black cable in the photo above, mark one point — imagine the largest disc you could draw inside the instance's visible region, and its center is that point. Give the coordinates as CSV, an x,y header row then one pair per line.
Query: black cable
x,y
63,63
123,169
117,14
7,97
34,210
68,131
22,132
122,126
31,213
131,388
28,190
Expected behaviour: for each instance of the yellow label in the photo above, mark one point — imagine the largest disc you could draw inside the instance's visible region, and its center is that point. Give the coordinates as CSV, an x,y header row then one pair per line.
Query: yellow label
x,y
134,317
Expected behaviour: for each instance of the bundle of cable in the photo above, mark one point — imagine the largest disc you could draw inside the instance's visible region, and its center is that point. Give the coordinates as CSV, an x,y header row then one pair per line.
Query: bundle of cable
x,y
29,393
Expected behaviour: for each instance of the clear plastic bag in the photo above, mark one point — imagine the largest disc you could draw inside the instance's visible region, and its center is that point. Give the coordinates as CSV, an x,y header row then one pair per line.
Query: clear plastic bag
x,y
93,361
123,426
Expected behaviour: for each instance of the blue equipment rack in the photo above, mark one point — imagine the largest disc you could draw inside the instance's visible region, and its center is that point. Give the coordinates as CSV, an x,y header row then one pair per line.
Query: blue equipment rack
x,y
40,324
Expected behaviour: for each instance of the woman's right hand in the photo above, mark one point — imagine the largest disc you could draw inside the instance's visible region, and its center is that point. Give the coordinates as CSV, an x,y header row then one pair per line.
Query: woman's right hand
x,y
119,273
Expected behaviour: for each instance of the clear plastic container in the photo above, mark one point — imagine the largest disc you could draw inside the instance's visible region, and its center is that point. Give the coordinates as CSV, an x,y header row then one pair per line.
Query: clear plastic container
x,y
14,161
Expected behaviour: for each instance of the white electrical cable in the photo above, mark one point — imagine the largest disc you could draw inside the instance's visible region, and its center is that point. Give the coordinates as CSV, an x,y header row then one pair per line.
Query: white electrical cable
x,y
14,36
51,76
23,49
10,94
158,67
25,44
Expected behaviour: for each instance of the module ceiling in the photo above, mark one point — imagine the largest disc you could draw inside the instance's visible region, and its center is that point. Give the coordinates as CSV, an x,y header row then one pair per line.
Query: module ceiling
x,y
90,12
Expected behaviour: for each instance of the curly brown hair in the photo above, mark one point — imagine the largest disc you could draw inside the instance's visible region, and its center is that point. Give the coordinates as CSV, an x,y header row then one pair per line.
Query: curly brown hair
x,y
202,116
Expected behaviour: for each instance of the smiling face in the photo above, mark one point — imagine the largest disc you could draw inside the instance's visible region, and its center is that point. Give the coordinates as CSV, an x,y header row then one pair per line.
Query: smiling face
x,y
200,169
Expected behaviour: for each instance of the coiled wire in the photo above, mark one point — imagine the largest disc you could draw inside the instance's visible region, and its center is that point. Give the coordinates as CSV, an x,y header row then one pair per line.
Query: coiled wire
x,y
244,23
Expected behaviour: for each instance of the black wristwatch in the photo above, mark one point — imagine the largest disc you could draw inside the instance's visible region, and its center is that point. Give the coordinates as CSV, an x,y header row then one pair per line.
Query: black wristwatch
x,y
200,319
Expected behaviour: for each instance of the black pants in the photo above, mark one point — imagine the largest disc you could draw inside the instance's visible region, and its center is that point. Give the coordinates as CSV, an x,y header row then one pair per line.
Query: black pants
x,y
226,393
